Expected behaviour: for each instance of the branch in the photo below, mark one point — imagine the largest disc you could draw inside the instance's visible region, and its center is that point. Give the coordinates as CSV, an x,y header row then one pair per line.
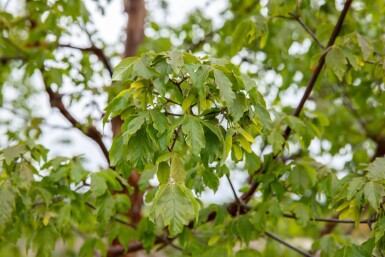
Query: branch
x,y
118,250
279,240
115,218
97,51
308,30
90,131
333,220
177,84
5,59
198,44
320,65
172,114
239,201
349,105
176,135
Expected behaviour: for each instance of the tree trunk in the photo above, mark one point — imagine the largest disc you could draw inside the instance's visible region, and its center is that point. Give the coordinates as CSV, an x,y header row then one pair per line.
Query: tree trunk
x,y
136,12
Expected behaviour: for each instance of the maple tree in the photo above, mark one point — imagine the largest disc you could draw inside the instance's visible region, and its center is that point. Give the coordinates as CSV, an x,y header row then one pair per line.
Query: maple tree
x,y
188,109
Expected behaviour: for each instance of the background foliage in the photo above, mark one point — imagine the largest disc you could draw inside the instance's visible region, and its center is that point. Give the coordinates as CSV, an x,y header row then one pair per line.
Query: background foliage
x,y
290,93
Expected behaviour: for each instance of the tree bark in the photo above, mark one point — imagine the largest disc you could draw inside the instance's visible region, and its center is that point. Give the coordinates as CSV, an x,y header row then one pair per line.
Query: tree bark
x,y
136,12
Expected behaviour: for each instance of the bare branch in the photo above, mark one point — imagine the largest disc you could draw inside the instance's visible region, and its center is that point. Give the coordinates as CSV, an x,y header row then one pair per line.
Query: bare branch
x,y
176,135
97,51
308,30
279,240
333,220
90,131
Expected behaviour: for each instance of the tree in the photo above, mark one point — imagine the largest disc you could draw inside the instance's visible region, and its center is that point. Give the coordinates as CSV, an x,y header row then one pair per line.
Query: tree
x,y
189,109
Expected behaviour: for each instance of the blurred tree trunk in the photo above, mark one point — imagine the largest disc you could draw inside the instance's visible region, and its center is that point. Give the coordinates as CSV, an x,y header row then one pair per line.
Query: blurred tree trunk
x,y
136,12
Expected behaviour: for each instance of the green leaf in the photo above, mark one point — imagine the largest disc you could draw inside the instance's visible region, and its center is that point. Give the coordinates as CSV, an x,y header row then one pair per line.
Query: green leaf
x,y
78,173
44,241
366,47
248,83
243,226
239,107
133,125
193,130
211,180
116,151
351,251
89,247
143,70
354,186
302,177
187,102
123,202
98,184
276,140
198,78
243,35
163,173
13,152
26,175
376,169
336,60
106,209
7,200
374,192
165,157
159,121
141,149
247,253
224,85
177,171
117,105
172,207
176,60
123,71
302,213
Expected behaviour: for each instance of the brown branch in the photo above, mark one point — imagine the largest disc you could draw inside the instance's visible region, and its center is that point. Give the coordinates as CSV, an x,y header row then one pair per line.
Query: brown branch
x,y
279,240
176,135
333,220
308,30
118,250
97,51
172,114
128,224
320,65
90,131
5,59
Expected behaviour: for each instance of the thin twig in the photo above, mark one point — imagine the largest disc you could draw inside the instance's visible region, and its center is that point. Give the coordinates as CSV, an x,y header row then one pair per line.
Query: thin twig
x,y
233,189
202,41
115,218
308,30
332,220
176,135
279,240
97,51
172,114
